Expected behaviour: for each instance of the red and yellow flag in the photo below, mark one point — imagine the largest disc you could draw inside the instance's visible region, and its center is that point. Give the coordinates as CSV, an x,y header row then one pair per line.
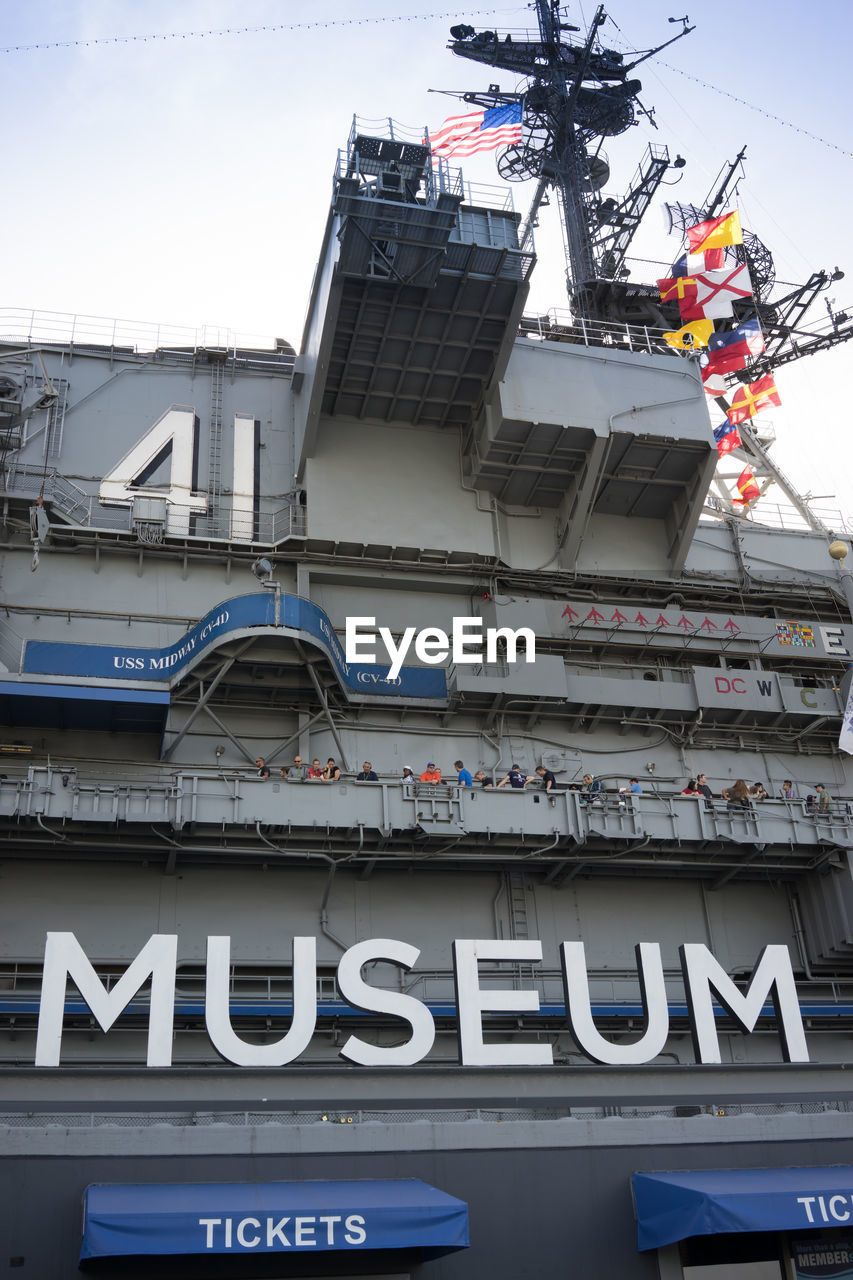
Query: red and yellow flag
x,y
716,233
679,289
747,486
751,399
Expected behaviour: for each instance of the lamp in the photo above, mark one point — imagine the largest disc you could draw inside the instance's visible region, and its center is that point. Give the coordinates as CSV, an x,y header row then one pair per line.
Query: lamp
x,y
262,569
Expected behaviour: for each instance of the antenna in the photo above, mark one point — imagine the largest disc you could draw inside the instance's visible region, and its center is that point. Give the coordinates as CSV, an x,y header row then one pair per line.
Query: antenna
x,y
577,94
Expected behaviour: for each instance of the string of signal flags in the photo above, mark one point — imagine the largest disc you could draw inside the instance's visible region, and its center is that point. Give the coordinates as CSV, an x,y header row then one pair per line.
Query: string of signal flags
x,y
705,287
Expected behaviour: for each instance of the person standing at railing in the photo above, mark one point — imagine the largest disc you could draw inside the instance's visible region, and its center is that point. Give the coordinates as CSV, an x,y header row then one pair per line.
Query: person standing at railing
x,y
332,772
549,781
262,767
431,773
366,773
463,777
789,791
408,774
824,799
315,773
702,784
516,779
737,796
297,772
591,790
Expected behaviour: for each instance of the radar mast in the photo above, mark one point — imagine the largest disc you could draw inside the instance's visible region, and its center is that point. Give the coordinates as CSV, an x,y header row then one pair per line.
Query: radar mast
x,y
577,95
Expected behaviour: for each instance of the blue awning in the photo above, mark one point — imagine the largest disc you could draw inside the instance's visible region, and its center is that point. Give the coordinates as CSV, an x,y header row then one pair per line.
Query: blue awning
x,y
706,1202
270,1217
46,705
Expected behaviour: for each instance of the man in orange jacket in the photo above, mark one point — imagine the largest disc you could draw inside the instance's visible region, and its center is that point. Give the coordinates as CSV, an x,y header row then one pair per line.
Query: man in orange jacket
x,y
431,773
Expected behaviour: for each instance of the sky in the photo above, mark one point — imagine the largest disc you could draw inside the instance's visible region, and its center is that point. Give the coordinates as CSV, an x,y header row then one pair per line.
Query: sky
x,y
186,180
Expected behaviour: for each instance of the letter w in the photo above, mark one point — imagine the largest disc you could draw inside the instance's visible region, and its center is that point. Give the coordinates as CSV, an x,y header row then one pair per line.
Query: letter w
x,y
765,687
64,958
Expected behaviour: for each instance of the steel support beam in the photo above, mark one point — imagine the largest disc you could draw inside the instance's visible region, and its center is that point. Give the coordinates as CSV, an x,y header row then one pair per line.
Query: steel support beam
x,y
201,705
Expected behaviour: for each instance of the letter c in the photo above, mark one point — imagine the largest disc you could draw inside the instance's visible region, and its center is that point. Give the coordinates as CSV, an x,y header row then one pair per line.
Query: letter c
x,y
241,1237
839,1217
738,681
806,701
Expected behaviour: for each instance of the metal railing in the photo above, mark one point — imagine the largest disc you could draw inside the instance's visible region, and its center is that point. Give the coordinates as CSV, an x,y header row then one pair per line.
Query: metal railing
x,y
777,515
560,823
135,336
26,480
558,325
439,176
342,1114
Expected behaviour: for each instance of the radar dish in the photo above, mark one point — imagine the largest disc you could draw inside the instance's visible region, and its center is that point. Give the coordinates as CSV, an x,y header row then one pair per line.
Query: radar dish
x,y
519,163
602,113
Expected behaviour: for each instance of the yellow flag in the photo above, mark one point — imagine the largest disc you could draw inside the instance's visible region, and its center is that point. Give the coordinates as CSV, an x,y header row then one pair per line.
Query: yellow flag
x,y
695,334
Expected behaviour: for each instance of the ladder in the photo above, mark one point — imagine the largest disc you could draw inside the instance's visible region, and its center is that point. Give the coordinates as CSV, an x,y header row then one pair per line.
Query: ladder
x,y
214,462
55,422
519,925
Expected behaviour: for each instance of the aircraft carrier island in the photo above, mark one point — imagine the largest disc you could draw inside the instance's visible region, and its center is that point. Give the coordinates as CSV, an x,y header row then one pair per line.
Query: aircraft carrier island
x,y
425,796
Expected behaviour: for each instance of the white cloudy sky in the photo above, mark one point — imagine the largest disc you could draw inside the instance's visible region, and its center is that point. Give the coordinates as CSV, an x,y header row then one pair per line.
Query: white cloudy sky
x,y
187,180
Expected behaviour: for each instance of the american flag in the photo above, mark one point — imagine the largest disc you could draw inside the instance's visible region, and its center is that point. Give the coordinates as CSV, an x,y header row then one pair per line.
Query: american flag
x,y
478,131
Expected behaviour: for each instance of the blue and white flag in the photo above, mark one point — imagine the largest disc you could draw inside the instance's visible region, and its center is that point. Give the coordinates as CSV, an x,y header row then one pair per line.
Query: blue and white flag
x,y
478,131
730,350
845,739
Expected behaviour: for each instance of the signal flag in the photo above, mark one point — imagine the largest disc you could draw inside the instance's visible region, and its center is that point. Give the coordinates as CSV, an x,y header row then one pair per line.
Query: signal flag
x,y
690,264
692,335
752,399
714,383
727,438
680,289
747,487
715,293
715,233
728,352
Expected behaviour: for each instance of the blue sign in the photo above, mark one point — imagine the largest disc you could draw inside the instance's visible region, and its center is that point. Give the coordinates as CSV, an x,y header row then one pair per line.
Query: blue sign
x,y
106,662
704,1202
272,1217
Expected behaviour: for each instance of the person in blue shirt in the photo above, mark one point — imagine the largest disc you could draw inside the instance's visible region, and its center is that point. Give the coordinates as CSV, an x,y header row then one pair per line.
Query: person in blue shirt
x,y
464,778
366,774
633,787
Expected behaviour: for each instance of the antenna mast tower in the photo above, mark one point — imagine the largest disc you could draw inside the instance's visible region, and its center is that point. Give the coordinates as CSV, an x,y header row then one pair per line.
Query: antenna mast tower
x,y
577,95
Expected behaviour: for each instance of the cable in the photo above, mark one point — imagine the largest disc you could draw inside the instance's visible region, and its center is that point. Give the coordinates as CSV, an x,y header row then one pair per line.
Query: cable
x,y
768,115
239,31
